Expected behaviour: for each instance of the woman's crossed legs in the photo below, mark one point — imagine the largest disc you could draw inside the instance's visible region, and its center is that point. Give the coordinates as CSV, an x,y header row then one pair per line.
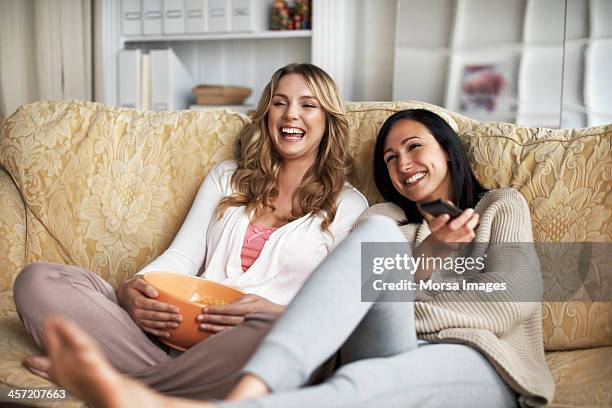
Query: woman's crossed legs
x,y
208,370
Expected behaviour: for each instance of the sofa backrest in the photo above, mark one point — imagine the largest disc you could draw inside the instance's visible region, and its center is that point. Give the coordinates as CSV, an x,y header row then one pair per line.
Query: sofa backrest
x,y
107,188
12,231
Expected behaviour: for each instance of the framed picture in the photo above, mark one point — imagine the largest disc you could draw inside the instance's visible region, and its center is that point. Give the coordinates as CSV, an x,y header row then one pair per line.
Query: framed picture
x,y
482,87
482,84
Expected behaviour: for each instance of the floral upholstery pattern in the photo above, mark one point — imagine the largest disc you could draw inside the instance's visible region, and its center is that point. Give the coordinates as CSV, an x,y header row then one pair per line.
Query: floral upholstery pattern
x,y
12,229
15,344
107,188
582,376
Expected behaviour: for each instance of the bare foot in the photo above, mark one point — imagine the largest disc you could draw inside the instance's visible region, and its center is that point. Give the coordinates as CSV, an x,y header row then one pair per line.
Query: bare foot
x,y
38,365
79,365
249,387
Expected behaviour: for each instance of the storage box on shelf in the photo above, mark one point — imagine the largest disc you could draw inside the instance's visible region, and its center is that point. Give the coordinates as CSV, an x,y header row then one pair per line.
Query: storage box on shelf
x,y
170,17
156,80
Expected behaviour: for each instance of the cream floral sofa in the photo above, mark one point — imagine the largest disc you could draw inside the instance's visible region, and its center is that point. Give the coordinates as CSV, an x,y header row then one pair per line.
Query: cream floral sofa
x,y
107,188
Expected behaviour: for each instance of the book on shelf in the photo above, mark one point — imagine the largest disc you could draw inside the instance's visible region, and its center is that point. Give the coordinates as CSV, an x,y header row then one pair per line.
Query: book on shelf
x,y
145,82
129,78
170,81
153,81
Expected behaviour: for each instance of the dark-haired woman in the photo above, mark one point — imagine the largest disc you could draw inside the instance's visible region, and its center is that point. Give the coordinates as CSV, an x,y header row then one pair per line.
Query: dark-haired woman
x,y
444,348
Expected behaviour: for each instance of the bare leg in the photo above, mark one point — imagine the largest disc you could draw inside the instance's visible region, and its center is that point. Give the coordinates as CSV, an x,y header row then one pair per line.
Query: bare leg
x,y
78,364
249,387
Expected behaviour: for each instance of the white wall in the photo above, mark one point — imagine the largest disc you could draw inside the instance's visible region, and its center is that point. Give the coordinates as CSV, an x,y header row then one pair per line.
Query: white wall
x,y
371,25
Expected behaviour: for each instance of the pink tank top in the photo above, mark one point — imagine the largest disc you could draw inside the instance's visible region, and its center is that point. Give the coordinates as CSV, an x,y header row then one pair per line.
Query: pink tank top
x,y
254,240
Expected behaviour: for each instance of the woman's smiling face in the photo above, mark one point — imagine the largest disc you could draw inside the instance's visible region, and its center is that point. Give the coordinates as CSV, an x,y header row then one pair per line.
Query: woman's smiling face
x,y
417,164
296,120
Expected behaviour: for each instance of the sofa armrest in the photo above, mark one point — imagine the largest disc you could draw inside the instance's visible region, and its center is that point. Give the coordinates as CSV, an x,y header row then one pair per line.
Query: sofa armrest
x,y
12,231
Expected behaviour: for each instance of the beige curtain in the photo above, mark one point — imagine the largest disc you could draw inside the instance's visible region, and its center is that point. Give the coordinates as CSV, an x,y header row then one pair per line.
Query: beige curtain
x,y
45,51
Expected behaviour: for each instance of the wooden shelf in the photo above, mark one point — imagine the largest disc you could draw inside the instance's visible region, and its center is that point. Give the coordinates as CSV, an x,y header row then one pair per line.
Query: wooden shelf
x,y
282,34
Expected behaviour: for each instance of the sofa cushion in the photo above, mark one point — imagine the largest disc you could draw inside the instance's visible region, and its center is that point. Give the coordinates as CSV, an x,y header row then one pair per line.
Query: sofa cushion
x,y
564,175
583,377
12,231
15,344
107,188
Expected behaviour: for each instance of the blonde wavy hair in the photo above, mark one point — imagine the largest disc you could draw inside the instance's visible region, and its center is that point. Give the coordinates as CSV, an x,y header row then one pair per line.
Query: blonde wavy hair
x,y
254,181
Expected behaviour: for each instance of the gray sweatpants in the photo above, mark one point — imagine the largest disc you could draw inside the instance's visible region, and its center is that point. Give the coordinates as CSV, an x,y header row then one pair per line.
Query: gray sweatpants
x,y
383,366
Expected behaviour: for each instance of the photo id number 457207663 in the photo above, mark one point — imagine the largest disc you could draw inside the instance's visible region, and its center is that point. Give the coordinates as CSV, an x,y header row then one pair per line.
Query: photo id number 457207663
x,y
25,394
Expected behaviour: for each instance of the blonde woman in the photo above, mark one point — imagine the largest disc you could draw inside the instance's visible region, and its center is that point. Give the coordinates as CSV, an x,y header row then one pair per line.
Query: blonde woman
x,y
260,224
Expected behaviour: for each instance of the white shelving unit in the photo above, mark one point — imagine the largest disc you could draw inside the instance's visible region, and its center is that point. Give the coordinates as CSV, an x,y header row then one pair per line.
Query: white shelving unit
x,y
230,58
269,34
441,43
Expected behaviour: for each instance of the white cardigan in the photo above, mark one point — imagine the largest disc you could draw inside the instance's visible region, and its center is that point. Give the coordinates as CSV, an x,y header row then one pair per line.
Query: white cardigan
x,y
286,260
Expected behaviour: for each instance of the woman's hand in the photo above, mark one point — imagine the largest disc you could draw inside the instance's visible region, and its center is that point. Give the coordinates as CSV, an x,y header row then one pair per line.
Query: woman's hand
x,y
445,230
137,297
444,233
220,318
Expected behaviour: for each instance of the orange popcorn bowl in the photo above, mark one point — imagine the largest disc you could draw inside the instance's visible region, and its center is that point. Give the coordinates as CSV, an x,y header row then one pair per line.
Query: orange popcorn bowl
x,y
190,294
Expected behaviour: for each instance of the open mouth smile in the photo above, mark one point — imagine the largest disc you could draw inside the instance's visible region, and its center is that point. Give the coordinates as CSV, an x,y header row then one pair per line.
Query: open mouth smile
x,y
415,178
292,134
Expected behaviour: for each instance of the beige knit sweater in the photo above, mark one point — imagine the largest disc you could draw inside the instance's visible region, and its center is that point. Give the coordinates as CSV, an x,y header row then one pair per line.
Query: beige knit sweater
x,y
509,332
